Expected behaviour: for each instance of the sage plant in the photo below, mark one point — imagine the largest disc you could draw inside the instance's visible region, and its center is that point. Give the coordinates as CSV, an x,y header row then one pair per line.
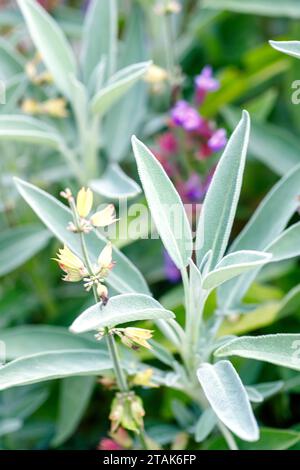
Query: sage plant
x,y
196,361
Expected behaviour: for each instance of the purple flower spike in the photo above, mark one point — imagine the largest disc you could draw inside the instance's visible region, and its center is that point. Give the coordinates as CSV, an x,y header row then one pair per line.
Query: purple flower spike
x,y
171,271
186,116
205,83
218,140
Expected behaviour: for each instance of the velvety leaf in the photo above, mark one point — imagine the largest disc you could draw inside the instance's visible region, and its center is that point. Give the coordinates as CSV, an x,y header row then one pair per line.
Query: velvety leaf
x,y
265,225
118,85
163,199
100,36
51,43
221,200
279,349
120,309
75,394
275,146
228,398
53,365
8,426
288,8
32,339
291,48
205,425
115,184
18,245
233,265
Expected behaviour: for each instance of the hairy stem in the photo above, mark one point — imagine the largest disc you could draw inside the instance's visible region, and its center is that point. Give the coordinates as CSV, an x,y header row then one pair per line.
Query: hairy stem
x,y
228,436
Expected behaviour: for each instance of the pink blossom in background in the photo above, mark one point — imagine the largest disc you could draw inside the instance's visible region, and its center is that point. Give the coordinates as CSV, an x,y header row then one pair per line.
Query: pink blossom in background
x,y
205,83
168,143
184,115
218,140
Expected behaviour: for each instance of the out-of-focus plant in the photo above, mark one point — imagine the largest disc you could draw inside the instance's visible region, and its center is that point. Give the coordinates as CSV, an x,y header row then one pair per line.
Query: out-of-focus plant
x,y
91,83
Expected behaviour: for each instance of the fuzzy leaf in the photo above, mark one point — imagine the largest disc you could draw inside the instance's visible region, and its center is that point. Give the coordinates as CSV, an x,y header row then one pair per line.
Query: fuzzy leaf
x,y
291,48
100,36
163,199
53,365
120,309
118,85
228,398
233,265
221,200
18,245
280,349
51,43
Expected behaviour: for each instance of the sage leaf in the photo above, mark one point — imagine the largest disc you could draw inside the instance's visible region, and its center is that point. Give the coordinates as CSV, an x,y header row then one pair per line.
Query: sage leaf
x,y
163,199
205,425
122,308
233,265
75,394
118,85
288,8
291,48
32,339
279,349
18,245
100,36
53,365
51,43
221,200
228,398
115,184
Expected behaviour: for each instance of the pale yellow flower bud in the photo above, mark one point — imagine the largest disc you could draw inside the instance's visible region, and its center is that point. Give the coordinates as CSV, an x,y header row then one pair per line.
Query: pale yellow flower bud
x,y
30,106
143,378
104,217
155,75
71,265
84,202
138,336
55,107
105,257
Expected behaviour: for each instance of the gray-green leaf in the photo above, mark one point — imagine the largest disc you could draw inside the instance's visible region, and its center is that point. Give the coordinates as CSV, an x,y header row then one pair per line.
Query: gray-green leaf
x,y
118,85
221,200
100,36
228,398
53,365
120,309
165,205
18,245
233,265
291,48
51,43
280,349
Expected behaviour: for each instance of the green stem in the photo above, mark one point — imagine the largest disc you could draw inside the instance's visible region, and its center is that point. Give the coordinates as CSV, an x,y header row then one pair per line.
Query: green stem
x,y
111,344
228,437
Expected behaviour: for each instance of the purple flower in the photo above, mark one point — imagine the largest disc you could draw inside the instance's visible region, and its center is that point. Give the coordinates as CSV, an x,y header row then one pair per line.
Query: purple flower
x,y
218,140
171,271
205,83
193,189
186,116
